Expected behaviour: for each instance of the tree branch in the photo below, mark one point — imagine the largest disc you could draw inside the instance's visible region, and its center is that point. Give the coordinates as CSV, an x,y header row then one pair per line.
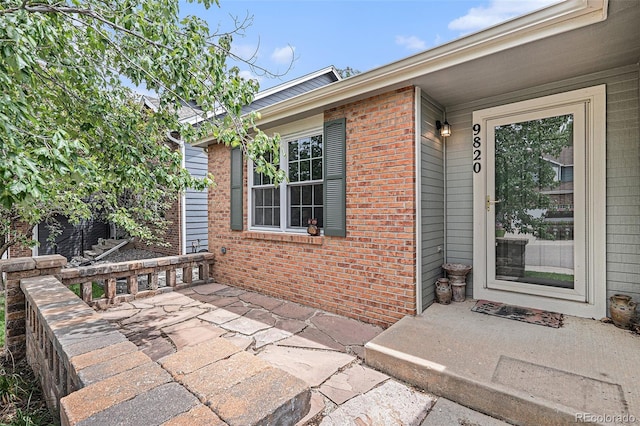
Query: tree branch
x,y
68,10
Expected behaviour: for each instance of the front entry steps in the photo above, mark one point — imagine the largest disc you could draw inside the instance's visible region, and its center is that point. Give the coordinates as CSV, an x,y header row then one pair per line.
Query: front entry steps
x,y
522,373
104,246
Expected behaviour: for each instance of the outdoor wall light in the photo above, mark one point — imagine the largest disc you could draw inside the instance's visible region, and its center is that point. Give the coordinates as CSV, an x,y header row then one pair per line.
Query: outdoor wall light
x,y
445,128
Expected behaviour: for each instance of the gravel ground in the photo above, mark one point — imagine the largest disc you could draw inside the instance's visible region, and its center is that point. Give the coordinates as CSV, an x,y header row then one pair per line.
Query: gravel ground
x,y
132,254
129,254
122,255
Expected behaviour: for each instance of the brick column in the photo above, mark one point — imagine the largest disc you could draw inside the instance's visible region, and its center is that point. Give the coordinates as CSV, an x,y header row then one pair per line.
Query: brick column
x,y
13,270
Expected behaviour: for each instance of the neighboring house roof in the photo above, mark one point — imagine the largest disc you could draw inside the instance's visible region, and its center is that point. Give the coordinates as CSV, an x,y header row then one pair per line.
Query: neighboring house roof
x,y
192,113
564,159
293,88
559,42
187,112
284,91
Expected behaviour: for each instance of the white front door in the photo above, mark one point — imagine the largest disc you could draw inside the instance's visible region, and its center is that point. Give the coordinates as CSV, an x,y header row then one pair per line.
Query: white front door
x,y
536,217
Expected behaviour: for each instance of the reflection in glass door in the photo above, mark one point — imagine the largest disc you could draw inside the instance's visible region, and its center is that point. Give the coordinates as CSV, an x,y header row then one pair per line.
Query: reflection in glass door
x,y
539,215
535,235
534,204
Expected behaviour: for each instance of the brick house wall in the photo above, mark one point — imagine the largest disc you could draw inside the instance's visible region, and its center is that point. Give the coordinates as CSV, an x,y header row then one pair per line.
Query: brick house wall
x,y
368,275
18,250
172,235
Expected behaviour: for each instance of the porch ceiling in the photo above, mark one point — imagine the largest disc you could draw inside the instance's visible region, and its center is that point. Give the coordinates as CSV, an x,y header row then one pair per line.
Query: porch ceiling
x,y
605,45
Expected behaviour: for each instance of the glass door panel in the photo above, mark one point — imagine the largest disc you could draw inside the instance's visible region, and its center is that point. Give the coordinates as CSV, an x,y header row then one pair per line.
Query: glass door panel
x,y
534,220
534,233
539,201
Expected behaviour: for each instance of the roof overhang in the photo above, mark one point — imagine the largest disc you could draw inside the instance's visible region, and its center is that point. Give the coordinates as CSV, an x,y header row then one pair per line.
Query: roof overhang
x,y
467,68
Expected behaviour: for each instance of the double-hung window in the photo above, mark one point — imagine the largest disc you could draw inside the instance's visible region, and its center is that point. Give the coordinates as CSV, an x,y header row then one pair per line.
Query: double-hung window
x,y
299,199
266,201
315,188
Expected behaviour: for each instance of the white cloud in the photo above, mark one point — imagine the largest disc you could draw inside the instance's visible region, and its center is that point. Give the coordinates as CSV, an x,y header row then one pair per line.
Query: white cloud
x,y
478,18
244,51
283,55
411,42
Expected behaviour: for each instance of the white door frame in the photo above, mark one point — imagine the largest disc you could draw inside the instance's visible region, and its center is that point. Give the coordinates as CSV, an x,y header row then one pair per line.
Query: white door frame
x,y
589,298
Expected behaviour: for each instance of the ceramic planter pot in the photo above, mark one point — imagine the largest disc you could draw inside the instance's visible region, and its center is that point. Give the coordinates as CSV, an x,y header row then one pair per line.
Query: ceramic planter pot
x,y
622,310
443,291
457,274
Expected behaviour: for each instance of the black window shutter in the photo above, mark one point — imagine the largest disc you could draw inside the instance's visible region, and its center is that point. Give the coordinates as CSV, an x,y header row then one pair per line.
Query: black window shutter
x,y
335,187
236,189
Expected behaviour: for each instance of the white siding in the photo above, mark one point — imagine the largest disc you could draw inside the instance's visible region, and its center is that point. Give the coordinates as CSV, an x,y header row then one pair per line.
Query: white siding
x,y
432,205
196,201
623,173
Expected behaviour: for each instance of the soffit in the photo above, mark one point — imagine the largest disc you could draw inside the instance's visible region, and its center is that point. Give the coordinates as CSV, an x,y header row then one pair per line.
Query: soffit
x,y
525,52
601,46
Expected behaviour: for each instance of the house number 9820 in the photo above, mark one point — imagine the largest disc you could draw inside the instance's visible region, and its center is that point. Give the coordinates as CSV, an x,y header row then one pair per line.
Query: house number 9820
x,y
477,152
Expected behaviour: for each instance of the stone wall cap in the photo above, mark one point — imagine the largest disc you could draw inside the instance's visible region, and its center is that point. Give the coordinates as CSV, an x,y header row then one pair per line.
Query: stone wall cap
x,y
68,273
17,264
43,283
50,261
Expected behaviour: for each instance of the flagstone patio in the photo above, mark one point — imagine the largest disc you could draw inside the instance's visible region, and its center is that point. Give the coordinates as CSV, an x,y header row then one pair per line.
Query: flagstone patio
x,y
181,329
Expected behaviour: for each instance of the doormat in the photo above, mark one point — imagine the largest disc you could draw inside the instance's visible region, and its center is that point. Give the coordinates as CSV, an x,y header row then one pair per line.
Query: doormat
x,y
518,313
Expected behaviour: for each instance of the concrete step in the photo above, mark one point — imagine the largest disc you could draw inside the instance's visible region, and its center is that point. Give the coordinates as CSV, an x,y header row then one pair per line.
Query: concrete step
x,y
90,254
110,243
514,371
105,245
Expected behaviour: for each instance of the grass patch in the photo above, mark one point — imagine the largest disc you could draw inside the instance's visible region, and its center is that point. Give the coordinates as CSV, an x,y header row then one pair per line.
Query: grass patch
x,y
549,276
21,399
97,292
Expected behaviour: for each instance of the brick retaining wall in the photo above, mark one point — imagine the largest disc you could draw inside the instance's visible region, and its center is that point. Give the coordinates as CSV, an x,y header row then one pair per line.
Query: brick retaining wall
x,y
15,270
60,326
92,375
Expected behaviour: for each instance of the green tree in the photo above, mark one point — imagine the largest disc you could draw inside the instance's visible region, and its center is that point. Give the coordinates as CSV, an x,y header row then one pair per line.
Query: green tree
x,y
523,171
75,139
347,72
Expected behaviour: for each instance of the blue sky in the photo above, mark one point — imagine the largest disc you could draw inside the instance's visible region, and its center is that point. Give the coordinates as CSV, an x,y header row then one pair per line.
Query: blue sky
x,y
361,34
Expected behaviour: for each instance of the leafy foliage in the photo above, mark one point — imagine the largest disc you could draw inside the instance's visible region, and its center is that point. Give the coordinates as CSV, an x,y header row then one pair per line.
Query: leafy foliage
x,y
76,141
2,319
21,399
347,72
523,172
97,291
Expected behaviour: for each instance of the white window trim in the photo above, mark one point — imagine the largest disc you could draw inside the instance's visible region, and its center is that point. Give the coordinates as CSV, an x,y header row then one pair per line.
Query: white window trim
x,y
594,99
284,201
